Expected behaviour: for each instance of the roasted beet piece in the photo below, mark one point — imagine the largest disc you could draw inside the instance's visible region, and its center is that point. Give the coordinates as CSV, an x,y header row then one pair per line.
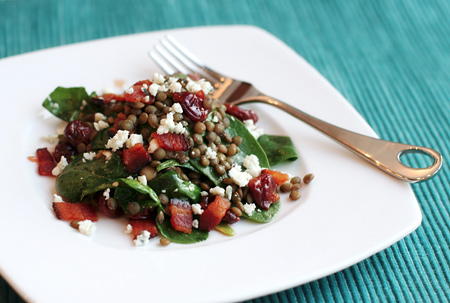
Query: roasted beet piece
x,y
192,105
74,211
76,132
240,113
263,190
139,91
136,158
214,213
64,149
45,162
171,141
181,218
279,177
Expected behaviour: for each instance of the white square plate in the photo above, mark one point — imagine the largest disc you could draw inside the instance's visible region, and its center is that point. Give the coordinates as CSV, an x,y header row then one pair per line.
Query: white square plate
x,y
349,212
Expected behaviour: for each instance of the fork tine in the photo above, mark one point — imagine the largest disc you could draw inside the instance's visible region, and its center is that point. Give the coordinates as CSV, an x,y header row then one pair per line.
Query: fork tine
x,y
193,58
164,66
171,59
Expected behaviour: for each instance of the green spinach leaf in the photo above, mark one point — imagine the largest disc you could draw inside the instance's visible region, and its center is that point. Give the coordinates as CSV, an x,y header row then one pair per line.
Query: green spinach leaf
x,y
166,229
262,215
67,103
88,175
100,140
173,186
278,148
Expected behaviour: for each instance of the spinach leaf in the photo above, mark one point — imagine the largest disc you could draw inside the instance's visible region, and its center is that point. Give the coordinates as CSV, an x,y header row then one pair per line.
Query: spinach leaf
x,y
278,148
100,140
262,215
67,103
88,175
166,229
173,163
175,187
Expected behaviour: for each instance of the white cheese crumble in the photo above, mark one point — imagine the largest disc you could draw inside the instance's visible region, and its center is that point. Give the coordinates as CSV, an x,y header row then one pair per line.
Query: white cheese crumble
x,y
251,162
175,87
106,193
195,223
253,129
239,177
210,154
153,90
192,86
130,90
52,139
89,156
168,125
142,239
176,108
118,140
87,227
57,198
229,192
99,117
100,125
249,208
158,78
217,191
142,179
60,166
152,146
196,209
204,193
129,229
133,140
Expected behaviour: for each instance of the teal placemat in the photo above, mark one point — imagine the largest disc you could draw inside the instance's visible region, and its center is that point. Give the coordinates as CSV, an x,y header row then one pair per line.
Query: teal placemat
x,y
390,59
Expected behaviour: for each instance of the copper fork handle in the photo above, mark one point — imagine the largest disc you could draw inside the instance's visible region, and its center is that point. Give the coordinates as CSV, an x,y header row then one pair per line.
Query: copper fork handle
x,y
383,154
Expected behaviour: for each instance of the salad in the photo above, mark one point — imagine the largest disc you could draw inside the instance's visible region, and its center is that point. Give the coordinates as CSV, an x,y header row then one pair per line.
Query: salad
x,y
166,155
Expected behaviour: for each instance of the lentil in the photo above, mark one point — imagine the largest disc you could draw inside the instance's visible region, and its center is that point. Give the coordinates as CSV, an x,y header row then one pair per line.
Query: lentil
x,y
308,178
295,195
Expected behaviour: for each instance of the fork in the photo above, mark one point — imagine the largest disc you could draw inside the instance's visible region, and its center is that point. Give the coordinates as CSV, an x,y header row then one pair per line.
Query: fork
x,y
173,57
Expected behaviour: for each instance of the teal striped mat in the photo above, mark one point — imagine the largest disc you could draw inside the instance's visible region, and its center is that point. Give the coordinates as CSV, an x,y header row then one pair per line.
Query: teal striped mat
x,y
390,59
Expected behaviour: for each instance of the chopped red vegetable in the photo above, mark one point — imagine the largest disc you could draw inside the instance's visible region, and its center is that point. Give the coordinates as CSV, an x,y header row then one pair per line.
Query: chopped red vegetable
x,y
141,225
279,177
74,211
46,163
136,158
182,218
214,213
171,141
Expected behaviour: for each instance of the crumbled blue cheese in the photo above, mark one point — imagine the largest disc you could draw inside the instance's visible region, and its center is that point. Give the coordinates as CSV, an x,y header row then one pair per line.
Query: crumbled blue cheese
x,y
217,191
89,156
133,140
130,90
251,162
57,198
229,192
87,227
152,146
60,166
195,223
204,193
52,139
142,179
168,125
210,154
153,90
129,229
253,129
192,86
206,86
99,117
100,125
158,78
106,193
175,87
238,176
197,209
142,239
176,108
249,208
118,140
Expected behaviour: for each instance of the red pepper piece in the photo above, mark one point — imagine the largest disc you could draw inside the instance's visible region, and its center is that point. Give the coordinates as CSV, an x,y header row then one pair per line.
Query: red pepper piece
x,y
136,158
46,163
74,211
214,213
181,218
141,225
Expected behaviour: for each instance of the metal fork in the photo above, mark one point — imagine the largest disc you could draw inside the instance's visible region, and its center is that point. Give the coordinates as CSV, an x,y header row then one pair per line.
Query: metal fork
x,y
173,57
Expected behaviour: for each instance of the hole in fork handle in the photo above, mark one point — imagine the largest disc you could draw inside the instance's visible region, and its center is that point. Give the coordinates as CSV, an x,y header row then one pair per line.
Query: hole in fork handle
x,y
381,153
